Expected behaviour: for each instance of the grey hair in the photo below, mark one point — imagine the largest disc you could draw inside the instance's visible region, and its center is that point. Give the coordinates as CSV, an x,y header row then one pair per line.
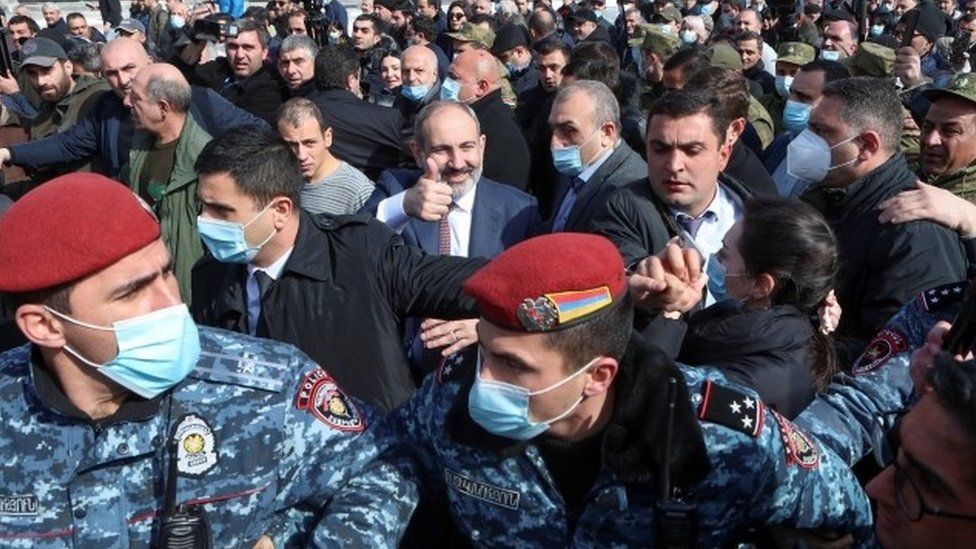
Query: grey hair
x,y
174,91
868,103
298,42
605,106
50,6
420,125
507,7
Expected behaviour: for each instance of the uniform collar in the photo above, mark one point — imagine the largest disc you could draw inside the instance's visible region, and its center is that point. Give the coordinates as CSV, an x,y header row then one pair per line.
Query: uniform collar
x,y
49,392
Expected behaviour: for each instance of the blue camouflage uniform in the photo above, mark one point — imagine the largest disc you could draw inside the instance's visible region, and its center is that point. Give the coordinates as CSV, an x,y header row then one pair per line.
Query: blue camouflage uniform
x,y
859,407
265,442
760,470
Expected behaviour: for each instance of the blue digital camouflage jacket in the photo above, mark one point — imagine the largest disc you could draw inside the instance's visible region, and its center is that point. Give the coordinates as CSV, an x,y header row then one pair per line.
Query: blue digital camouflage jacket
x,y
262,437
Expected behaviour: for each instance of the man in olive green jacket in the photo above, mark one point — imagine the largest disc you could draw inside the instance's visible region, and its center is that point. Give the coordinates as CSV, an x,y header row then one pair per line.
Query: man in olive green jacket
x,y
165,147
948,138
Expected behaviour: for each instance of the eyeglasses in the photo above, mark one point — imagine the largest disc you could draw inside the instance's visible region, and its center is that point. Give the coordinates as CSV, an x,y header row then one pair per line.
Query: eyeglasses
x,y
910,499
457,15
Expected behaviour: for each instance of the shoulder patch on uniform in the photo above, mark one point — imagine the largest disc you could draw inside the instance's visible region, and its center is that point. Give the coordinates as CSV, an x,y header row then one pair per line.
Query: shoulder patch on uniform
x,y
318,393
196,446
942,297
800,450
731,408
885,345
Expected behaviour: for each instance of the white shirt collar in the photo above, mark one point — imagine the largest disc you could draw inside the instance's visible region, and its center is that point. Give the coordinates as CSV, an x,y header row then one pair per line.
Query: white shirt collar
x,y
273,270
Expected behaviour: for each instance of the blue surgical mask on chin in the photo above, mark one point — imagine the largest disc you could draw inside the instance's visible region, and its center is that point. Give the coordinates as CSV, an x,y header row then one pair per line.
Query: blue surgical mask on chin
x,y
225,239
156,350
830,55
450,89
503,409
415,93
569,160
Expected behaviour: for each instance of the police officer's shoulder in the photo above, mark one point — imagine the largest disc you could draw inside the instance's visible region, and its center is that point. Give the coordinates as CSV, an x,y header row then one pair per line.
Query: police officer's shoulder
x,y
942,298
15,362
236,359
743,420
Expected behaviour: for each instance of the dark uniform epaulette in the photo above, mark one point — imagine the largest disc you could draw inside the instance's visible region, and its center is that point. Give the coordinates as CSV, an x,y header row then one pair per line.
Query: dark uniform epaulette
x,y
735,410
942,297
454,367
329,222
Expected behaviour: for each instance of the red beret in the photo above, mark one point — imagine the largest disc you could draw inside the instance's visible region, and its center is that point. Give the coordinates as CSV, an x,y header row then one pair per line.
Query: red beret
x,y
549,282
70,227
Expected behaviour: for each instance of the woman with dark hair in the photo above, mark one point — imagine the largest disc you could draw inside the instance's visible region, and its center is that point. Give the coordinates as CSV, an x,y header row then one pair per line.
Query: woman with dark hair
x,y
457,15
780,262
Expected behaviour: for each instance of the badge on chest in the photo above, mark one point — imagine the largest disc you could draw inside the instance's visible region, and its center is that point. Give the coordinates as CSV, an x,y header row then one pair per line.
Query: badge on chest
x,y
196,446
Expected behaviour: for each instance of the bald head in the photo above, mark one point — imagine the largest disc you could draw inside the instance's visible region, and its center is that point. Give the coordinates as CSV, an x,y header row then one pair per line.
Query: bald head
x,y
418,66
159,98
477,73
121,60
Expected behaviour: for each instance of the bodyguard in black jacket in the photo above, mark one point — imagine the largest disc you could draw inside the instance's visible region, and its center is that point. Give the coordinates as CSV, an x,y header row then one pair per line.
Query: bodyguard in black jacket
x,y
338,288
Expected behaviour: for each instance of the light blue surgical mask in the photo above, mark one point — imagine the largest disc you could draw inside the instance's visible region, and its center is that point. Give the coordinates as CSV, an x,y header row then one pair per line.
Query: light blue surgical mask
x,y
450,89
830,55
177,22
783,83
796,115
569,160
415,93
503,409
225,239
688,37
156,350
707,9
877,30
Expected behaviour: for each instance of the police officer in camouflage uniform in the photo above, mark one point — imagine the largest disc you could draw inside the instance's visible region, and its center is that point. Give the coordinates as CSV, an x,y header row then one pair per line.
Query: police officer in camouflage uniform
x,y
948,138
121,405
558,435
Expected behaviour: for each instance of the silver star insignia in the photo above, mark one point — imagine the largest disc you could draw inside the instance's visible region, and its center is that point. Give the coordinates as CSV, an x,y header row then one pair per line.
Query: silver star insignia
x,y
747,422
957,290
736,407
935,300
945,292
749,403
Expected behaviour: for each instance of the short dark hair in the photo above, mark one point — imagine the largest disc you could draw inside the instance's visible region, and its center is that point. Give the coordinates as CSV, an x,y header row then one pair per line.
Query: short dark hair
x,y
728,85
833,71
24,20
954,384
333,66
57,298
869,103
607,334
552,46
245,24
745,36
689,102
425,26
594,61
75,15
260,163
690,60
376,22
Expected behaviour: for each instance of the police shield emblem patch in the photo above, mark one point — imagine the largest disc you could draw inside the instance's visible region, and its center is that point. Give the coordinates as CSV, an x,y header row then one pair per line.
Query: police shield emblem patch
x,y
799,449
885,345
320,395
196,446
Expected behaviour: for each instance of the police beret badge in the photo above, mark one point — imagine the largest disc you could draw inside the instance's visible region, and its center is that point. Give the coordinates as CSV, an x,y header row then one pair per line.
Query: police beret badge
x,y
319,394
537,315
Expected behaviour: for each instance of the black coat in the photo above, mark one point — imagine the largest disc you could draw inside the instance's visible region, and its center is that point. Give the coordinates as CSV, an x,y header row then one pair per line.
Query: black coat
x,y
366,136
639,223
759,75
506,151
260,94
882,266
768,350
746,167
622,167
533,116
342,298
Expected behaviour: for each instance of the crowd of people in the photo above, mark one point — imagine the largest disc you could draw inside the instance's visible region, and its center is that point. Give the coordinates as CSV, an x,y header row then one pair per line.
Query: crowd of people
x,y
489,274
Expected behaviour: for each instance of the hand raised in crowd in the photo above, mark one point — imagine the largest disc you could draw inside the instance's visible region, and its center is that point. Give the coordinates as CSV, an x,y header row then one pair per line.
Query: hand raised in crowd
x,y
430,198
453,335
8,84
908,66
671,281
829,314
931,203
924,357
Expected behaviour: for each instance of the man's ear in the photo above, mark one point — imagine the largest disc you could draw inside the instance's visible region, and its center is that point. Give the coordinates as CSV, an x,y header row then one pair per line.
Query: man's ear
x,y
601,376
871,144
764,285
39,326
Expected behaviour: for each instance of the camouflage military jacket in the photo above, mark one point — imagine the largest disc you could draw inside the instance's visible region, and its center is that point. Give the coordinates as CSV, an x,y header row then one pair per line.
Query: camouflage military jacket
x,y
858,408
758,470
262,438
961,183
